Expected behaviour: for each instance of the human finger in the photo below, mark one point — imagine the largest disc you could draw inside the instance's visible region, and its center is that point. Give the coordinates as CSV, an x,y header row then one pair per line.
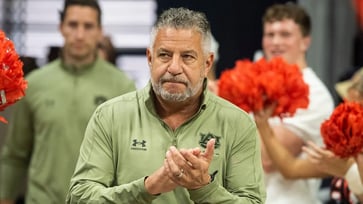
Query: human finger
x,y
313,156
209,151
174,177
320,150
174,169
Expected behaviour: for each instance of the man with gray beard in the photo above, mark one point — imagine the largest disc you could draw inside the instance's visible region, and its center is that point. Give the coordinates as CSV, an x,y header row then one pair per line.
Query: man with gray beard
x,y
173,141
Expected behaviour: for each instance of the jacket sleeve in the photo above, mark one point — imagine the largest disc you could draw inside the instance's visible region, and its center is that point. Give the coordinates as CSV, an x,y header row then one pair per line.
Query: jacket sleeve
x,y
16,152
94,175
242,181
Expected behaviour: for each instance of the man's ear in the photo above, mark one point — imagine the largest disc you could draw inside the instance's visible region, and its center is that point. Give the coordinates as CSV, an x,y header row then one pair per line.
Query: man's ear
x,y
209,63
100,37
306,43
60,28
148,56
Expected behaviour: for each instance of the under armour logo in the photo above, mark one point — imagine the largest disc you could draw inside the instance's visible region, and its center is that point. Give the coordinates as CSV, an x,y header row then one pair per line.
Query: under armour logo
x,y
138,144
142,143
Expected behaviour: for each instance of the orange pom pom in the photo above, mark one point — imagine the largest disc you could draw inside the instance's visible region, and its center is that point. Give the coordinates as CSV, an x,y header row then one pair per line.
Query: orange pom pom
x,y
12,82
343,131
251,86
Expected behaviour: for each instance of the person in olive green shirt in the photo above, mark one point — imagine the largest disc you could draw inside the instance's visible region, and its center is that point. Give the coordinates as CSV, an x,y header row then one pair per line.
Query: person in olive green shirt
x,y
48,124
173,141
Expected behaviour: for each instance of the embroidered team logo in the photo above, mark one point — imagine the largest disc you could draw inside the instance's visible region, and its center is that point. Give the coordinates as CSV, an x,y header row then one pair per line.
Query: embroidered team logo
x,y
204,138
138,145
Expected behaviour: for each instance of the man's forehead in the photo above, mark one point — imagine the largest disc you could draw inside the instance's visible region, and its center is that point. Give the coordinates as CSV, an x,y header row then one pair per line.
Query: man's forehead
x,y
76,12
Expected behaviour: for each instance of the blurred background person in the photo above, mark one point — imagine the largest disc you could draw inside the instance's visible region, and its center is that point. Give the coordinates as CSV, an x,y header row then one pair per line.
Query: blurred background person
x,y
286,34
346,187
48,124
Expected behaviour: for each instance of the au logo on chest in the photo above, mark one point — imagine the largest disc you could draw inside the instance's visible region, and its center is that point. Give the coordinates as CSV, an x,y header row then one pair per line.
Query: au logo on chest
x,y
205,137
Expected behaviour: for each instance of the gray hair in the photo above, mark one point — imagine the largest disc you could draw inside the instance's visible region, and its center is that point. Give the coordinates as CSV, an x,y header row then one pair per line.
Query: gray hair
x,y
183,18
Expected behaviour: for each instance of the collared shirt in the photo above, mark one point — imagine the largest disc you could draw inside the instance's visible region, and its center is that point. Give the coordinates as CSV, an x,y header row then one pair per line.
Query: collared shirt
x,y
48,126
126,141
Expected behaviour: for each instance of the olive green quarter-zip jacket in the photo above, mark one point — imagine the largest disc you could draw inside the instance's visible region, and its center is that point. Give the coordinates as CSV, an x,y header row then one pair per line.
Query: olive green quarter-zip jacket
x,y
126,141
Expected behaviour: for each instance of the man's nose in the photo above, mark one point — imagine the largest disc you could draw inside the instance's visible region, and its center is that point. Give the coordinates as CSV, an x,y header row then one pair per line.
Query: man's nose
x,y
80,32
175,66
